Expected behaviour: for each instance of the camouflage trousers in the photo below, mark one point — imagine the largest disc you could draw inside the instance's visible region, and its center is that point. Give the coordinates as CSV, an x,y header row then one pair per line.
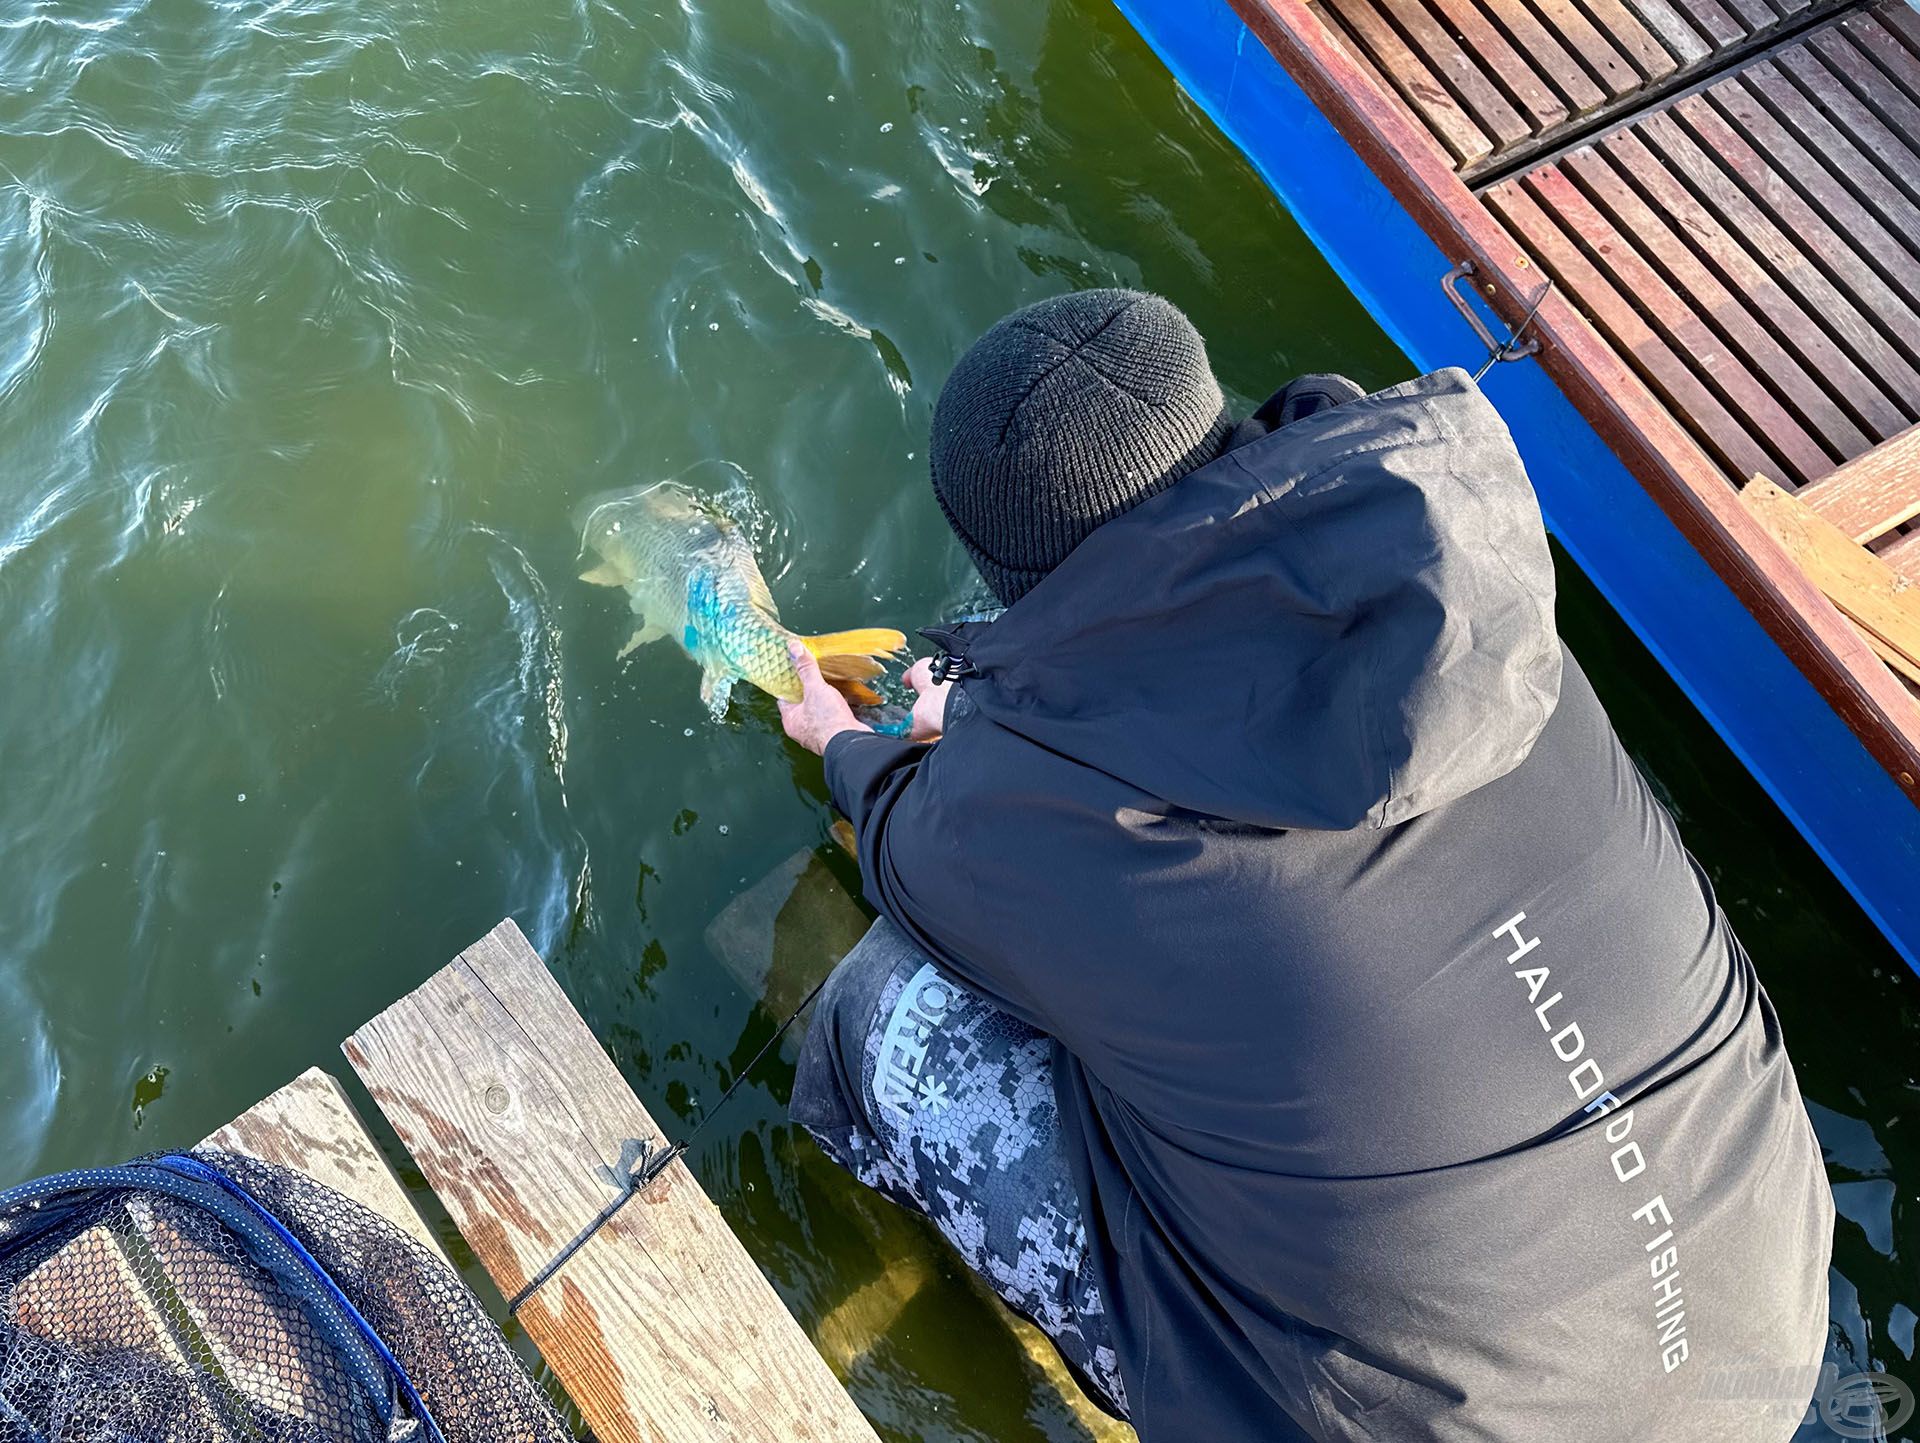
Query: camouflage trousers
x,y
948,1107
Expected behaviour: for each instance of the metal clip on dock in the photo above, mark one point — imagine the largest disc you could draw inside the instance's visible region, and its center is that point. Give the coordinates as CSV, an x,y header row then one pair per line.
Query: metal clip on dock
x,y
1513,348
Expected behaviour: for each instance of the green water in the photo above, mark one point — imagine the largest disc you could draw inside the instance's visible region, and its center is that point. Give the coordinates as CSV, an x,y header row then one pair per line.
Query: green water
x,y
315,318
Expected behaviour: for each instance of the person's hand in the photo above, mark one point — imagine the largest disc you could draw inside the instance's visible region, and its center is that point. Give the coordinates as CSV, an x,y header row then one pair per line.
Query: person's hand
x,y
822,713
929,703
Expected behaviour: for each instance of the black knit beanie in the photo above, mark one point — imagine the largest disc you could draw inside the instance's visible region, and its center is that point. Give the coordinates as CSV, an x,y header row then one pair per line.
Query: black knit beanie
x,y
1062,416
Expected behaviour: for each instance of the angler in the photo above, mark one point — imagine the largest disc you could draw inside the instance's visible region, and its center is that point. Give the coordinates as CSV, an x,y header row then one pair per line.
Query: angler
x,y
1219,835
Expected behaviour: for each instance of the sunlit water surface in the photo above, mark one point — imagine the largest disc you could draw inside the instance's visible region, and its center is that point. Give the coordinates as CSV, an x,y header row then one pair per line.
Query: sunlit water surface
x,y
316,316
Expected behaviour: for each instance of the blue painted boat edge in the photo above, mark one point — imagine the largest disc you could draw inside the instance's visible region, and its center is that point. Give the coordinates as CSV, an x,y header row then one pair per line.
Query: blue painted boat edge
x,y
1838,796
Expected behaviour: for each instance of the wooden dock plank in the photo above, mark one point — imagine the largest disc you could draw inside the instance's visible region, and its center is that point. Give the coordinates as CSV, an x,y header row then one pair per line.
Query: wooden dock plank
x,y
1846,140
1461,73
1679,37
1666,370
1799,265
1548,55
1650,51
1609,68
1874,492
1812,171
661,1326
1869,593
1847,248
1708,299
310,1126
1515,75
1729,252
1369,34
1709,357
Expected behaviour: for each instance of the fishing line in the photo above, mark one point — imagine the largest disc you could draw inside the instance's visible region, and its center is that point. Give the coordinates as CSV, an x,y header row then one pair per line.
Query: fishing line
x,y
655,1159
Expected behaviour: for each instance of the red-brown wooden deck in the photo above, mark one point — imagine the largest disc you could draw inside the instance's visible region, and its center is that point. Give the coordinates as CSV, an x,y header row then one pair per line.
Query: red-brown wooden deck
x,y
1726,197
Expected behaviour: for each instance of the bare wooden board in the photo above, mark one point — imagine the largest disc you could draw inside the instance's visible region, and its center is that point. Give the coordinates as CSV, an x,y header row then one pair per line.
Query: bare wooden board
x,y
660,1327
1874,492
1869,592
310,1126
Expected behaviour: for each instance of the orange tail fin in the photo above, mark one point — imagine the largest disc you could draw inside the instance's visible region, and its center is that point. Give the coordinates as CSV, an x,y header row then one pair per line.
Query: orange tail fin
x,y
850,658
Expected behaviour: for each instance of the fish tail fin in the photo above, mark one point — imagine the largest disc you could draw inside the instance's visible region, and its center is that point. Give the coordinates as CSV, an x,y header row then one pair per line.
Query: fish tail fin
x,y
848,659
870,642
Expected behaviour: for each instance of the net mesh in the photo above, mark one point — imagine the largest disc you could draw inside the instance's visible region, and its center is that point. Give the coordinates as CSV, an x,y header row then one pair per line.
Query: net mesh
x,y
129,1314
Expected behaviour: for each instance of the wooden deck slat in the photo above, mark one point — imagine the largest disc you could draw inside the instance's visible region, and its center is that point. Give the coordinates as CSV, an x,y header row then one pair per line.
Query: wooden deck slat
x,y
1624,325
661,1326
1516,76
1756,15
1677,35
1841,253
1883,154
1716,327
1874,492
1643,45
1709,358
1730,254
1832,153
1412,81
1868,88
1904,555
1713,20
1603,60
1520,73
1808,163
310,1126
1464,79
1548,55
1904,22
1868,592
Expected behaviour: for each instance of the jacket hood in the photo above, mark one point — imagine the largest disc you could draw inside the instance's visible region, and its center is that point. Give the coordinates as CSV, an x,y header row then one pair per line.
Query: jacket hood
x,y
1342,623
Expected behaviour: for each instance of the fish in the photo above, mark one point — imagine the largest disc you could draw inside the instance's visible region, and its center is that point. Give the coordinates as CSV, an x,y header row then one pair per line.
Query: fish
x,y
690,574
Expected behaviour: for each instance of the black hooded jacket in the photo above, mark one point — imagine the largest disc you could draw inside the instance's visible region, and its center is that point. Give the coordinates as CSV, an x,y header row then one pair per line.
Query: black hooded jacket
x,y
1417,1084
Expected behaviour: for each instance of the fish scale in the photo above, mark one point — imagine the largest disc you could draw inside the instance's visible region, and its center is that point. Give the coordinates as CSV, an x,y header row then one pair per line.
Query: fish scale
x,y
689,573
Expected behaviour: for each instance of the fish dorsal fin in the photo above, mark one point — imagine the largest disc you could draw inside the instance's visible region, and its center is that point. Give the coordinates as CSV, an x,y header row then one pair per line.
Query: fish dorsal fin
x,y
605,574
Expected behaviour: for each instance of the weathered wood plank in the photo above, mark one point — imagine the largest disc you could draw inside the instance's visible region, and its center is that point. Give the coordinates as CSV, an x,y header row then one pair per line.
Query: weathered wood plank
x,y
1798,240
1680,39
1650,56
1549,54
660,1327
1460,71
1847,139
1490,50
1902,553
1874,492
1870,593
1417,86
1707,299
1603,60
1795,261
1722,368
1811,170
1729,253
1676,381
310,1126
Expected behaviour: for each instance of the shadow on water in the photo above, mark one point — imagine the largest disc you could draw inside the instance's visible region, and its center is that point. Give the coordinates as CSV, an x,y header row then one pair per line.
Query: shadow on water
x,y
319,315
